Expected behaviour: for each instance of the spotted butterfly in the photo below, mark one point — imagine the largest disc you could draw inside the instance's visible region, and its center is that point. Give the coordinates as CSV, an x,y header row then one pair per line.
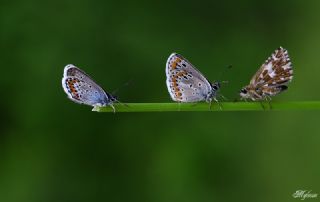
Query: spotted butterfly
x,y
81,89
271,79
187,84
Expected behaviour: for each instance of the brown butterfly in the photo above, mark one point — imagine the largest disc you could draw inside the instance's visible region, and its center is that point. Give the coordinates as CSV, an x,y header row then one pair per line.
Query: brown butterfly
x,y
271,79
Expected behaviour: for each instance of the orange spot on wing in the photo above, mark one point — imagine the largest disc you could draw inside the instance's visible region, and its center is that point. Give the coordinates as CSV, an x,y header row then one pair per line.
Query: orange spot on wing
x,y
175,63
72,88
182,73
174,81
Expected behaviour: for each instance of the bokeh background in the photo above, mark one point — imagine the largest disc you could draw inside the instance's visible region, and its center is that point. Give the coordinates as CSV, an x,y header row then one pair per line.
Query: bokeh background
x,y
54,150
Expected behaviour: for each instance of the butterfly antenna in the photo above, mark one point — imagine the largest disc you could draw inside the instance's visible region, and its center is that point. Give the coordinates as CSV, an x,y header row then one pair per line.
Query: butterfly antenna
x,y
123,85
223,72
117,101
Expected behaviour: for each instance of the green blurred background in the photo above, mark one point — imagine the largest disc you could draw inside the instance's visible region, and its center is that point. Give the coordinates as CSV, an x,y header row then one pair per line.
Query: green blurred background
x,y
55,150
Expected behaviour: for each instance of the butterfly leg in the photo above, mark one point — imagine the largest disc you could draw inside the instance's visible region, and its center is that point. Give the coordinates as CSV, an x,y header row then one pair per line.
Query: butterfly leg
x,y
241,99
268,99
113,108
262,105
124,104
220,106
223,97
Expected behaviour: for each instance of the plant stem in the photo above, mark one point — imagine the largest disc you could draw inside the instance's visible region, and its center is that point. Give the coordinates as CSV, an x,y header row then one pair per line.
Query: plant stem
x,y
200,107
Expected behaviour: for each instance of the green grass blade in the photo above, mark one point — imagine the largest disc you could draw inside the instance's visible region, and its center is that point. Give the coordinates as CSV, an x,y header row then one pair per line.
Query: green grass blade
x,y
201,107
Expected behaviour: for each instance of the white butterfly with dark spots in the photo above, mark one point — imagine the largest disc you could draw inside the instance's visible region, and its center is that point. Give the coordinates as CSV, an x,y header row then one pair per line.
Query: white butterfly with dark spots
x,y
187,84
81,89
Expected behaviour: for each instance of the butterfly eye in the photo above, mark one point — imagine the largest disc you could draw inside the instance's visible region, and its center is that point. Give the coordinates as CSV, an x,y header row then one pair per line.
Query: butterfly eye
x,y
244,91
215,85
114,98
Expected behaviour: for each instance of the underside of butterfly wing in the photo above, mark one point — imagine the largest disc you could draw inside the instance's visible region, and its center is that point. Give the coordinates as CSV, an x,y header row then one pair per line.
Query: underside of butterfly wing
x,y
185,83
272,77
80,88
84,93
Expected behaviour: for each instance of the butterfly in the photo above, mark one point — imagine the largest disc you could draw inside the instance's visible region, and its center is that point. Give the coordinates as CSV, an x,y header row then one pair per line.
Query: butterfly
x,y
81,89
187,84
271,79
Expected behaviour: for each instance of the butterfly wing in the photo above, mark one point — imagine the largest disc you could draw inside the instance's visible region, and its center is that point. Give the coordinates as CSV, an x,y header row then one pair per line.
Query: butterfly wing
x,y
80,88
272,91
184,82
276,71
73,71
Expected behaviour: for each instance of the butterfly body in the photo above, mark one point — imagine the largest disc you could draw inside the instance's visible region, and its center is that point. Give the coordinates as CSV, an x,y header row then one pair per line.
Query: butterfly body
x,y
271,79
81,89
187,84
